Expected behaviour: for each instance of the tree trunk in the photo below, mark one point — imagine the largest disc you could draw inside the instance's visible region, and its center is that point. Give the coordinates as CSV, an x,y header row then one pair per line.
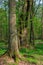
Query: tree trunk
x,y
31,23
42,21
13,50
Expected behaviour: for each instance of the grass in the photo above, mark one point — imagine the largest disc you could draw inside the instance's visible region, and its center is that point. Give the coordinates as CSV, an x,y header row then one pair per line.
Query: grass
x,y
2,52
38,41
32,55
3,48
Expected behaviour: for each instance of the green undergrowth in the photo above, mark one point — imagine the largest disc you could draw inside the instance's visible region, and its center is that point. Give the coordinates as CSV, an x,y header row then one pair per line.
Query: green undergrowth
x,y
2,51
33,55
3,48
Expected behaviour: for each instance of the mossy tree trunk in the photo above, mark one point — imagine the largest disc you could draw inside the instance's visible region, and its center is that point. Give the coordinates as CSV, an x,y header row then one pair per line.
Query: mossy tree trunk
x,y
31,23
13,50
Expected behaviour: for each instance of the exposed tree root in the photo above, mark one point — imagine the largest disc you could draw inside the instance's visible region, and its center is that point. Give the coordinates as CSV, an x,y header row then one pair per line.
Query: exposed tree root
x,y
5,58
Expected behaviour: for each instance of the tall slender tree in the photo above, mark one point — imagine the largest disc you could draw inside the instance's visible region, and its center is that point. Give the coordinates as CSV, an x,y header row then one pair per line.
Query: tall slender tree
x,y
31,23
42,21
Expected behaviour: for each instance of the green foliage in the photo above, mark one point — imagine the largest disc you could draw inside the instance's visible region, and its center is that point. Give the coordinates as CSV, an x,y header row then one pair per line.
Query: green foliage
x,y
2,52
36,20
37,27
3,24
3,48
33,55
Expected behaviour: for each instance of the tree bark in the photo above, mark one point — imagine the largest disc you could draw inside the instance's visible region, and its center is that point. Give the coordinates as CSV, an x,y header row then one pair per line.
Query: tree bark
x,y
31,23
13,50
42,21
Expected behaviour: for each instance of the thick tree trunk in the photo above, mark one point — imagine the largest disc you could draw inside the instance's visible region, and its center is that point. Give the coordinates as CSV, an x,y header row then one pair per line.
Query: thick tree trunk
x,y
13,50
25,33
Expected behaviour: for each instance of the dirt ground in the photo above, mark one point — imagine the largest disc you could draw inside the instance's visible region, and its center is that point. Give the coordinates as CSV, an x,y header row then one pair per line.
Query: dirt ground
x,y
9,61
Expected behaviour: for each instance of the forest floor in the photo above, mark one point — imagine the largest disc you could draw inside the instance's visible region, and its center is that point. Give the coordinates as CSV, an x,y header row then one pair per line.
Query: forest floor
x,y
25,63
8,61
32,56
